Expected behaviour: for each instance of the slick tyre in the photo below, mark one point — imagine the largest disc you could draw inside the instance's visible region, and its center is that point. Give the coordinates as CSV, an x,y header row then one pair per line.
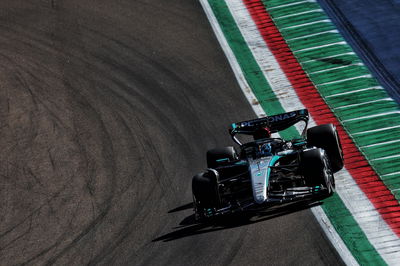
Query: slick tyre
x,y
327,138
219,156
316,170
205,190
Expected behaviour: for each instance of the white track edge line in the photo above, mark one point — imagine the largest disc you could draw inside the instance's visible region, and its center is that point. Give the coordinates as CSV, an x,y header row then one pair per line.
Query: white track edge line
x,y
368,214
232,60
331,233
269,66
333,236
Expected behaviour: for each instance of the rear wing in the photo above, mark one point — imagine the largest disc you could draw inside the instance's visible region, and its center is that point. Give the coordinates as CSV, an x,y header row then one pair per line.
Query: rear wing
x,y
274,123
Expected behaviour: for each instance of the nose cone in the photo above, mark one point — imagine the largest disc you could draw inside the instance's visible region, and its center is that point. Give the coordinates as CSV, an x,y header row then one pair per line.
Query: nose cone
x,y
259,178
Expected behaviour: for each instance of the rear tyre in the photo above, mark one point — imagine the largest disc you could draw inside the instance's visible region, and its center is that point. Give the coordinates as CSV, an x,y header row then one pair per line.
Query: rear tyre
x,y
219,156
316,169
327,138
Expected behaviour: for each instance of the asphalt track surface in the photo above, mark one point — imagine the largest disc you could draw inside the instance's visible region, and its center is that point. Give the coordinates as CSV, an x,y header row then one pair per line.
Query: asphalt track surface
x,y
372,28
106,110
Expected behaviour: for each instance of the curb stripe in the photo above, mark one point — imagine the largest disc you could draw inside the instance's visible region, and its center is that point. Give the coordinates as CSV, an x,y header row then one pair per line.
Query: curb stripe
x,y
338,214
217,10
256,83
308,94
382,248
381,167
256,42
269,67
334,214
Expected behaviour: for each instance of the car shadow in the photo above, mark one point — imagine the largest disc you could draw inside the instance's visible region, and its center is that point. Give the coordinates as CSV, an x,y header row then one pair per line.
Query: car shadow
x,y
190,227
182,208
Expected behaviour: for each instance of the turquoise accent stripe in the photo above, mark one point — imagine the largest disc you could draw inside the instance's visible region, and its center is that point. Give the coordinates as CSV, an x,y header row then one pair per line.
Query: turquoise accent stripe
x,y
271,163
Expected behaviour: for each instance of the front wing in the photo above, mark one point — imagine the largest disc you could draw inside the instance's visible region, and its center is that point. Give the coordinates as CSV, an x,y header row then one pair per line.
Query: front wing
x,y
298,194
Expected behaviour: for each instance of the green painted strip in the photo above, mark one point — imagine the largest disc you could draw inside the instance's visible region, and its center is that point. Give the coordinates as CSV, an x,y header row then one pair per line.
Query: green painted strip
x,y
330,57
367,109
341,218
249,66
355,98
383,170
334,74
335,61
300,19
379,136
339,74
397,194
347,86
322,52
311,29
350,232
277,3
294,9
361,125
383,150
393,182
312,41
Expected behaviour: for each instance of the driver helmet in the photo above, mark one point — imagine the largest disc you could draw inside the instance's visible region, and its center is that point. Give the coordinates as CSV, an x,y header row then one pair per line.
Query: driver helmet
x,y
266,149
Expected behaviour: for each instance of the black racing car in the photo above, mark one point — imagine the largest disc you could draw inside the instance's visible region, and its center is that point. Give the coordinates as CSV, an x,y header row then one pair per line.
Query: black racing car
x,y
267,171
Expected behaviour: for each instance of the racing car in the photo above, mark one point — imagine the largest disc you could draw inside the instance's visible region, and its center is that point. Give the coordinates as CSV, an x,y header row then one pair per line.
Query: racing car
x,y
268,171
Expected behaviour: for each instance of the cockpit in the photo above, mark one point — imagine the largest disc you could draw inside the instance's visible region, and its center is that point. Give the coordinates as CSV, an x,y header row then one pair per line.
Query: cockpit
x,y
262,148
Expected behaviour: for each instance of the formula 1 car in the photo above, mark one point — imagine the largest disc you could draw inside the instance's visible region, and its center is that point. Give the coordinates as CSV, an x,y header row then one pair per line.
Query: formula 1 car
x,y
268,171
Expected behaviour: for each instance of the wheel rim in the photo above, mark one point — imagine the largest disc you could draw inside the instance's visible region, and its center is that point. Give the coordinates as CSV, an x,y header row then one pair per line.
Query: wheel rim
x,y
339,144
329,178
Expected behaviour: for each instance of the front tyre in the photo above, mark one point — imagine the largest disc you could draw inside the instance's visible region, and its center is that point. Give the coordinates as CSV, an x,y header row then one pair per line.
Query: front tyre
x,y
205,192
316,170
